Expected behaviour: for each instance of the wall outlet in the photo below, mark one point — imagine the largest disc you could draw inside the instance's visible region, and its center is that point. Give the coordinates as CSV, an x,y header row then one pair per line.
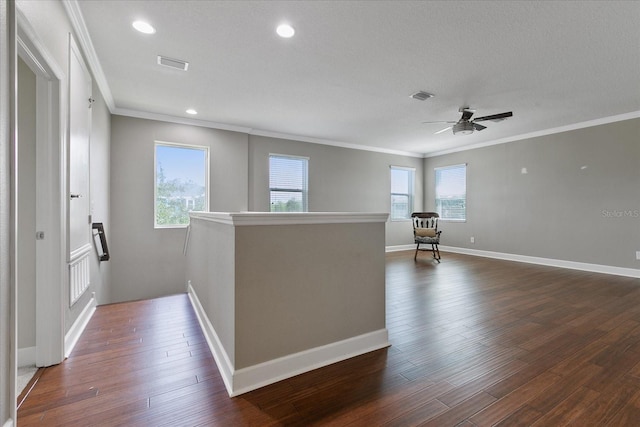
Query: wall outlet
x,y
638,255
472,239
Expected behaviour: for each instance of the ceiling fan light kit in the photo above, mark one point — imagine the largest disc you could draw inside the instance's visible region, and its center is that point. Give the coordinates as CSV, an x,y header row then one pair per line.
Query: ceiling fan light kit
x,y
466,126
463,128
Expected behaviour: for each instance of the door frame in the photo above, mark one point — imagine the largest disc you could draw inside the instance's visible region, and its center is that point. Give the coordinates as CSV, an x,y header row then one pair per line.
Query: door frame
x,y
51,189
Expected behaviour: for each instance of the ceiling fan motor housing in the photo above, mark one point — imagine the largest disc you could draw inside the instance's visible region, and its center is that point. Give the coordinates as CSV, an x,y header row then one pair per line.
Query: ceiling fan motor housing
x,y
463,128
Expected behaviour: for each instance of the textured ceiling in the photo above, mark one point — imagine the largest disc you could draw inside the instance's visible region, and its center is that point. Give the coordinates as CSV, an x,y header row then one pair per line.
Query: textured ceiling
x,y
347,74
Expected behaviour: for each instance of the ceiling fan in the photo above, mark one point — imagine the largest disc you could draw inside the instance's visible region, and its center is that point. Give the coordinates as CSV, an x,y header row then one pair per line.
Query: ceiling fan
x,y
465,125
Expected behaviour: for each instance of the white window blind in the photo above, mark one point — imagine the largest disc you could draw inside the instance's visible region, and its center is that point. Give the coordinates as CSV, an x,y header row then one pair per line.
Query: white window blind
x,y
401,192
451,192
288,177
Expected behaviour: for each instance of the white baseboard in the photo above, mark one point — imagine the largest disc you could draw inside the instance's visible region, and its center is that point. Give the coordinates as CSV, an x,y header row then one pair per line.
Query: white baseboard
x,y
595,268
215,345
71,337
26,356
262,374
398,248
573,265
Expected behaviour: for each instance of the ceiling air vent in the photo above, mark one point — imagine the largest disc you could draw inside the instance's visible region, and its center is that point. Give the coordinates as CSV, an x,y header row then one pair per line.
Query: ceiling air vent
x,y
173,63
422,95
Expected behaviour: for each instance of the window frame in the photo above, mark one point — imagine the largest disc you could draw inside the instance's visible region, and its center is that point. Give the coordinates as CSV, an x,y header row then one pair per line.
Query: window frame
x,y
438,207
207,165
411,195
305,180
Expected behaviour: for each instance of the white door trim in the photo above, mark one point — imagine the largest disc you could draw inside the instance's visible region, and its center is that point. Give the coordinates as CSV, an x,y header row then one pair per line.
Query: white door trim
x,y
51,272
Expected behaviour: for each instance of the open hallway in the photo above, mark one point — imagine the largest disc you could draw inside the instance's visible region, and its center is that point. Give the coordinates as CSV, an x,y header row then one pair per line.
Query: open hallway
x,y
475,341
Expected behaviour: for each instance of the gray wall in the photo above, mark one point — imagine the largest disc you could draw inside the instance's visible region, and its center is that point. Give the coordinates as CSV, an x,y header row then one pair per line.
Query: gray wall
x,y
148,262
579,201
299,287
252,281
26,196
340,180
211,270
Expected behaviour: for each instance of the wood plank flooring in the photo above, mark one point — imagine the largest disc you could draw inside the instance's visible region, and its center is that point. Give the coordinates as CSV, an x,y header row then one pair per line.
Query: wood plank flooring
x,y
475,342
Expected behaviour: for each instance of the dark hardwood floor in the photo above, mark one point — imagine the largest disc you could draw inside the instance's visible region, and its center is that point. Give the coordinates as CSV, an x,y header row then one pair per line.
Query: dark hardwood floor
x,y
475,342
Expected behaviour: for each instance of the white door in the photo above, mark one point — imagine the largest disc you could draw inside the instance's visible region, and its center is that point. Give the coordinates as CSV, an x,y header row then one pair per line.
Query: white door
x,y
79,197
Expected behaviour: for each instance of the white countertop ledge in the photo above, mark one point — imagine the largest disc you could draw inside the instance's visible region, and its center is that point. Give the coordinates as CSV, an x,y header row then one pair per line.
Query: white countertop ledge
x,y
289,218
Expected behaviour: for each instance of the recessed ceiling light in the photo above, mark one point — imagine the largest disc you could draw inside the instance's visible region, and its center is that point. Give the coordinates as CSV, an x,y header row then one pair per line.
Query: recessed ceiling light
x,y
144,27
191,111
285,31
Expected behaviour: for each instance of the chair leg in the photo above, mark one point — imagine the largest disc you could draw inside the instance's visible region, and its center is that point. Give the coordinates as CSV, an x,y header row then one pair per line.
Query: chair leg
x,y
436,252
415,257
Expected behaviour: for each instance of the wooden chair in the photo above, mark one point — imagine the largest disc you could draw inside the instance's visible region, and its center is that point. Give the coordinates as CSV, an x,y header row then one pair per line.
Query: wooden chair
x,y
425,232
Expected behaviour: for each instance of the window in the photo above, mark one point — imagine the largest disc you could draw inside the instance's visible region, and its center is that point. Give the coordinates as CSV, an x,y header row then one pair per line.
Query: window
x,y
451,192
181,183
401,192
288,183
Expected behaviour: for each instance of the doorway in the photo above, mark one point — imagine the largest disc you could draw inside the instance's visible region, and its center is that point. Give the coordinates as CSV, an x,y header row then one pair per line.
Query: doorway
x,y
40,234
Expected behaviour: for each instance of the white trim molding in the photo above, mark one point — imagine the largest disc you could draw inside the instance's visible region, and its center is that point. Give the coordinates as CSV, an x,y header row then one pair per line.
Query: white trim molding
x,y
573,265
262,374
79,274
288,218
586,124
73,335
253,377
74,13
400,248
225,366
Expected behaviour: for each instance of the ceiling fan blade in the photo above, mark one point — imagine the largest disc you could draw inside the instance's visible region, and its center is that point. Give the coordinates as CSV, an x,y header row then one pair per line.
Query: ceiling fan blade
x,y
494,117
466,114
443,130
440,121
477,126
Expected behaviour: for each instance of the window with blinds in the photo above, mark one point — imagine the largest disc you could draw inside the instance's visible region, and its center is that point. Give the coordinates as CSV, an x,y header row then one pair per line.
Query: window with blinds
x,y
288,183
401,192
451,192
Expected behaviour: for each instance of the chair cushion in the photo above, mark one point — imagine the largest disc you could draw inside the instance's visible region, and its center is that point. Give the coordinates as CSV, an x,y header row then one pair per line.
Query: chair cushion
x,y
425,232
427,240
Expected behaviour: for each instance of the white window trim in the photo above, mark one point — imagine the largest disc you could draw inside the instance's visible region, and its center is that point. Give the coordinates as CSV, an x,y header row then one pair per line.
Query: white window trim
x,y
155,178
466,165
412,194
305,193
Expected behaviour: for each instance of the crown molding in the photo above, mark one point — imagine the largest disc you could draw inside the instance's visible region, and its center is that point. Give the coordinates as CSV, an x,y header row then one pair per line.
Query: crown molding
x,y
567,128
84,40
320,141
179,120
256,132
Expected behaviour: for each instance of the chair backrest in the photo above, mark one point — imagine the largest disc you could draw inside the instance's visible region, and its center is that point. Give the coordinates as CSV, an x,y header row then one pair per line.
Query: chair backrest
x,y
425,220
